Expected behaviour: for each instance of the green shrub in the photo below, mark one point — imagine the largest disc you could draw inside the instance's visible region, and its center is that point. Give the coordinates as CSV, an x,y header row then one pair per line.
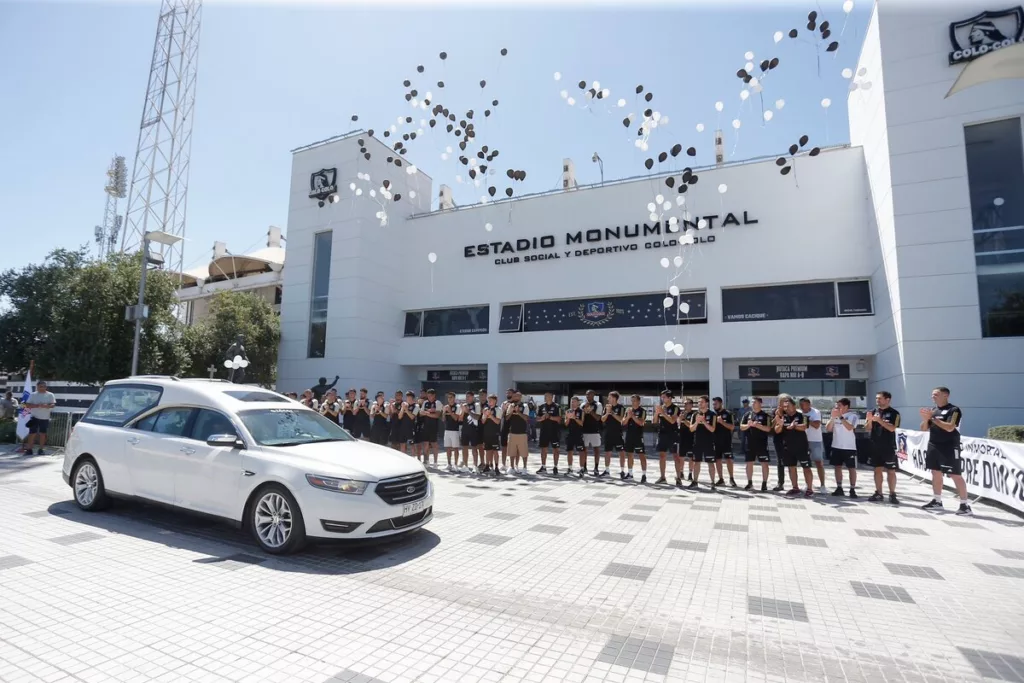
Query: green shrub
x,y
1014,433
8,429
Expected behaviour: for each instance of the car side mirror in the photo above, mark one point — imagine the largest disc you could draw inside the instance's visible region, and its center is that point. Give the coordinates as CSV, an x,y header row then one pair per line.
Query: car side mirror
x,y
224,441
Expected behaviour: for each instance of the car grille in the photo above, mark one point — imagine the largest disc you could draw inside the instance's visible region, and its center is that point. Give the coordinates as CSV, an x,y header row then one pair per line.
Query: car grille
x,y
397,491
400,522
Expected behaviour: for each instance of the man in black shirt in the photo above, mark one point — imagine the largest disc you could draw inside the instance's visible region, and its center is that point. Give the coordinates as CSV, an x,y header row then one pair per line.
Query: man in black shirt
x,y
451,416
518,417
943,425
504,426
703,424
685,443
491,434
779,444
756,426
792,425
549,418
665,416
724,424
882,423
363,414
396,404
592,432
614,414
348,413
574,435
429,414
470,435
635,419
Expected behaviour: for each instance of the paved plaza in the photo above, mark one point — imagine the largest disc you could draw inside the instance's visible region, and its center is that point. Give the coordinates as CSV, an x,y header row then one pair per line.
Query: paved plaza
x,y
529,579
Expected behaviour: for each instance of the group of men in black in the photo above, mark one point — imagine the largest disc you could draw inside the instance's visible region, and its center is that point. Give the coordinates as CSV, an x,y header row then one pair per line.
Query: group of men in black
x,y
495,437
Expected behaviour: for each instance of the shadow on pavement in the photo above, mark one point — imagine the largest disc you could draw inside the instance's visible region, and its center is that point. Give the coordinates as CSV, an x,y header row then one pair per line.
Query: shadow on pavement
x,y
223,544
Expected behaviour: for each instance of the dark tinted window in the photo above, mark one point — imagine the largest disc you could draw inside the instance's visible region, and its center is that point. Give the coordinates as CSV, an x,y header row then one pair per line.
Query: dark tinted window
x,y
117,404
146,423
1001,300
995,174
210,422
780,302
854,298
642,310
172,421
318,296
256,396
412,323
456,321
696,305
511,318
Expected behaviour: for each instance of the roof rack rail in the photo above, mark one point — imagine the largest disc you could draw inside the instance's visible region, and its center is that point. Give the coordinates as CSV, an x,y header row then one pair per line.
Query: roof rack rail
x,y
204,379
176,379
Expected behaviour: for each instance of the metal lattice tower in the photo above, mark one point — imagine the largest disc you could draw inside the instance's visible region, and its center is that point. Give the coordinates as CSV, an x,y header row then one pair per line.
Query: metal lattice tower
x,y
108,233
159,186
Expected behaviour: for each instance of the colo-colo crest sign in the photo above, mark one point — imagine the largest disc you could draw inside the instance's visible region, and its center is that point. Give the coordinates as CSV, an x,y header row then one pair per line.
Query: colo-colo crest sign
x,y
620,239
985,33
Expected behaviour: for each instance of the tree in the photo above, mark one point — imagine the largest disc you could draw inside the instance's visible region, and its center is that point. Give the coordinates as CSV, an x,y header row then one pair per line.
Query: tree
x,y
67,314
231,314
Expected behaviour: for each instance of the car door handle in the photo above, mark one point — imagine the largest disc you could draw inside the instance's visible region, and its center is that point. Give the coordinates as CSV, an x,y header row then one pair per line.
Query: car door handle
x,y
133,440
187,450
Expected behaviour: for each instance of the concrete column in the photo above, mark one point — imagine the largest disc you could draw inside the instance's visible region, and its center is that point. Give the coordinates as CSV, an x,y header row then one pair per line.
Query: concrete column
x,y
716,377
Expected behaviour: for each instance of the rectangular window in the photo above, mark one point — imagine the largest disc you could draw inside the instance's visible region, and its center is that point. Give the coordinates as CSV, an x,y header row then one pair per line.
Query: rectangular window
x,y
511,318
1001,300
854,298
318,296
413,323
117,404
642,310
780,302
447,322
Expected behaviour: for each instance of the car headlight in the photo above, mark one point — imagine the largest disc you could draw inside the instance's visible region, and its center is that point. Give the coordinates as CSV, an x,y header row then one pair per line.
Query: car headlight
x,y
337,485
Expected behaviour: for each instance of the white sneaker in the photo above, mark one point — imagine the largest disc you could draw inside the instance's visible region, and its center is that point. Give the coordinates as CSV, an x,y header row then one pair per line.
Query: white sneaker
x,y
822,491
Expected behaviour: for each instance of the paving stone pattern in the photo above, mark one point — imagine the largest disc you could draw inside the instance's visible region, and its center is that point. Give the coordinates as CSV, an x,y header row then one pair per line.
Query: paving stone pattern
x,y
524,580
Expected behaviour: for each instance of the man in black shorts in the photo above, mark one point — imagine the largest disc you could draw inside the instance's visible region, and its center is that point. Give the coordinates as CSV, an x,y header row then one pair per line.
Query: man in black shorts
x,y
943,425
882,423
490,431
574,435
792,425
470,436
665,416
724,424
394,422
756,426
843,453
549,419
636,417
703,426
685,456
430,413
505,424
611,425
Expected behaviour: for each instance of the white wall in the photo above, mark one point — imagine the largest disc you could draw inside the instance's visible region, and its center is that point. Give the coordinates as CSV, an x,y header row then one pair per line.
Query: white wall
x,y
927,243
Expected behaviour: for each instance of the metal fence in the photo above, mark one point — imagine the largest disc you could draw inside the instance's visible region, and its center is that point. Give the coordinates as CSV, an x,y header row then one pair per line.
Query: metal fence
x,y
61,424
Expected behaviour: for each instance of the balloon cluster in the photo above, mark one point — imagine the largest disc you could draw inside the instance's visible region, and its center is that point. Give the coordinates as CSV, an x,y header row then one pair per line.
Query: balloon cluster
x,y
786,165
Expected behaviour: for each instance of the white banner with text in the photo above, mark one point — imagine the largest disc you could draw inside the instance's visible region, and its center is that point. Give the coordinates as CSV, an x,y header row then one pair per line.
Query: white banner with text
x,y
992,469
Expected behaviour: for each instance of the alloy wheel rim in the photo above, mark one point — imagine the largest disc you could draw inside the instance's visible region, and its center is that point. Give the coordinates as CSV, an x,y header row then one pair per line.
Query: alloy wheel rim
x,y
86,484
273,520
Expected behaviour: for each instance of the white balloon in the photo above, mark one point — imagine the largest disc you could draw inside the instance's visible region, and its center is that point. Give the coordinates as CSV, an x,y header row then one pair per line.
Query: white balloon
x,y
684,308
488,227
667,302
644,146
621,102
458,179
672,220
666,206
778,36
558,76
700,127
658,199
673,290
688,239
677,349
753,82
448,149
412,194
749,66
668,347
701,224
664,121
352,186
863,71
656,116
379,214
651,207
826,103
444,156
410,169
723,188
373,193
736,123
769,115
227,363
719,106
680,200
243,363
605,93
571,101
359,191
866,85
653,216
677,261
359,175
236,359
998,201
758,87
564,94
744,94
432,257
664,263
847,73
748,55
848,6
587,96
779,104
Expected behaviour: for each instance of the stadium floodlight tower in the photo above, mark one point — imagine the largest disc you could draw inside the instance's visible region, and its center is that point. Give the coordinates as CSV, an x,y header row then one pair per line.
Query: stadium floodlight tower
x,y
117,186
159,186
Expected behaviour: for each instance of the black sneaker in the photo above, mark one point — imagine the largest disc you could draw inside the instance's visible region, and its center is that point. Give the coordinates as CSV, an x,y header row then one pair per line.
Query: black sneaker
x,y
40,452
764,486
643,479
542,470
679,481
853,493
932,505
876,498
689,477
622,475
893,500
554,471
692,485
839,492
720,482
965,510
604,474
778,488
749,486
732,483
628,476
661,480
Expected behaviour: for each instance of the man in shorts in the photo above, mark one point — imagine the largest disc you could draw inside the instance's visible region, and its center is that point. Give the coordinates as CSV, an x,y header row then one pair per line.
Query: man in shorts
x,y
724,425
842,424
490,434
943,425
756,426
451,416
429,414
40,403
685,457
703,426
636,418
665,416
549,419
882,423
574,435
611,423
792,425
592,432
518,417
470,434
815,441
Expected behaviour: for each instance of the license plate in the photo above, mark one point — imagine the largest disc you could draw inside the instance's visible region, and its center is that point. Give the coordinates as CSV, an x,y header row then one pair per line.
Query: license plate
x,y
413,508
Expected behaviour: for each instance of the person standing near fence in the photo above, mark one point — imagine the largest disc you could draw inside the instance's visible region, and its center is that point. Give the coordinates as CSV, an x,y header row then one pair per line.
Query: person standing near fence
x,y
40,403
943,425
8,406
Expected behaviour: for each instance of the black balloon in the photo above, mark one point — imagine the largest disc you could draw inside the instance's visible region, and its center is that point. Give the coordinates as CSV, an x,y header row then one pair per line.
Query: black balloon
x,y
803,140
494,154
403,150
693,179
662,157
387,133
483,84
793,149
367,156
670,181
443,55
625,122
386,184
397,197
432,123
748,78
398,162
420,68
774,63
510,173
494,103
522,175
765,64
408,119
832,47
487,112
648,112
742,73
781,161
483,168
405,137
786,170
412,135
826,34
458,132
649,96
812,16
815,152
414,92
639,89
440,84
491,190
390,159
355,118
450,128
362,150
691,152
462,145
480,154
676,149
370,132
472,173
361,142
793,33
683,187
583,85
824,26
649,164
504,52
406,83
508,191
811,26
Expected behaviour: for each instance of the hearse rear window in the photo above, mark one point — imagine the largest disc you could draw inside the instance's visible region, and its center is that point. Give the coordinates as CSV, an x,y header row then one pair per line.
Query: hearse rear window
x,y
117,404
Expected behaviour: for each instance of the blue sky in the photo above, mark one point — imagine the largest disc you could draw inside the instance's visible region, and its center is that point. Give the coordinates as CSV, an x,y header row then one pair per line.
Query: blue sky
x,y
272,78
